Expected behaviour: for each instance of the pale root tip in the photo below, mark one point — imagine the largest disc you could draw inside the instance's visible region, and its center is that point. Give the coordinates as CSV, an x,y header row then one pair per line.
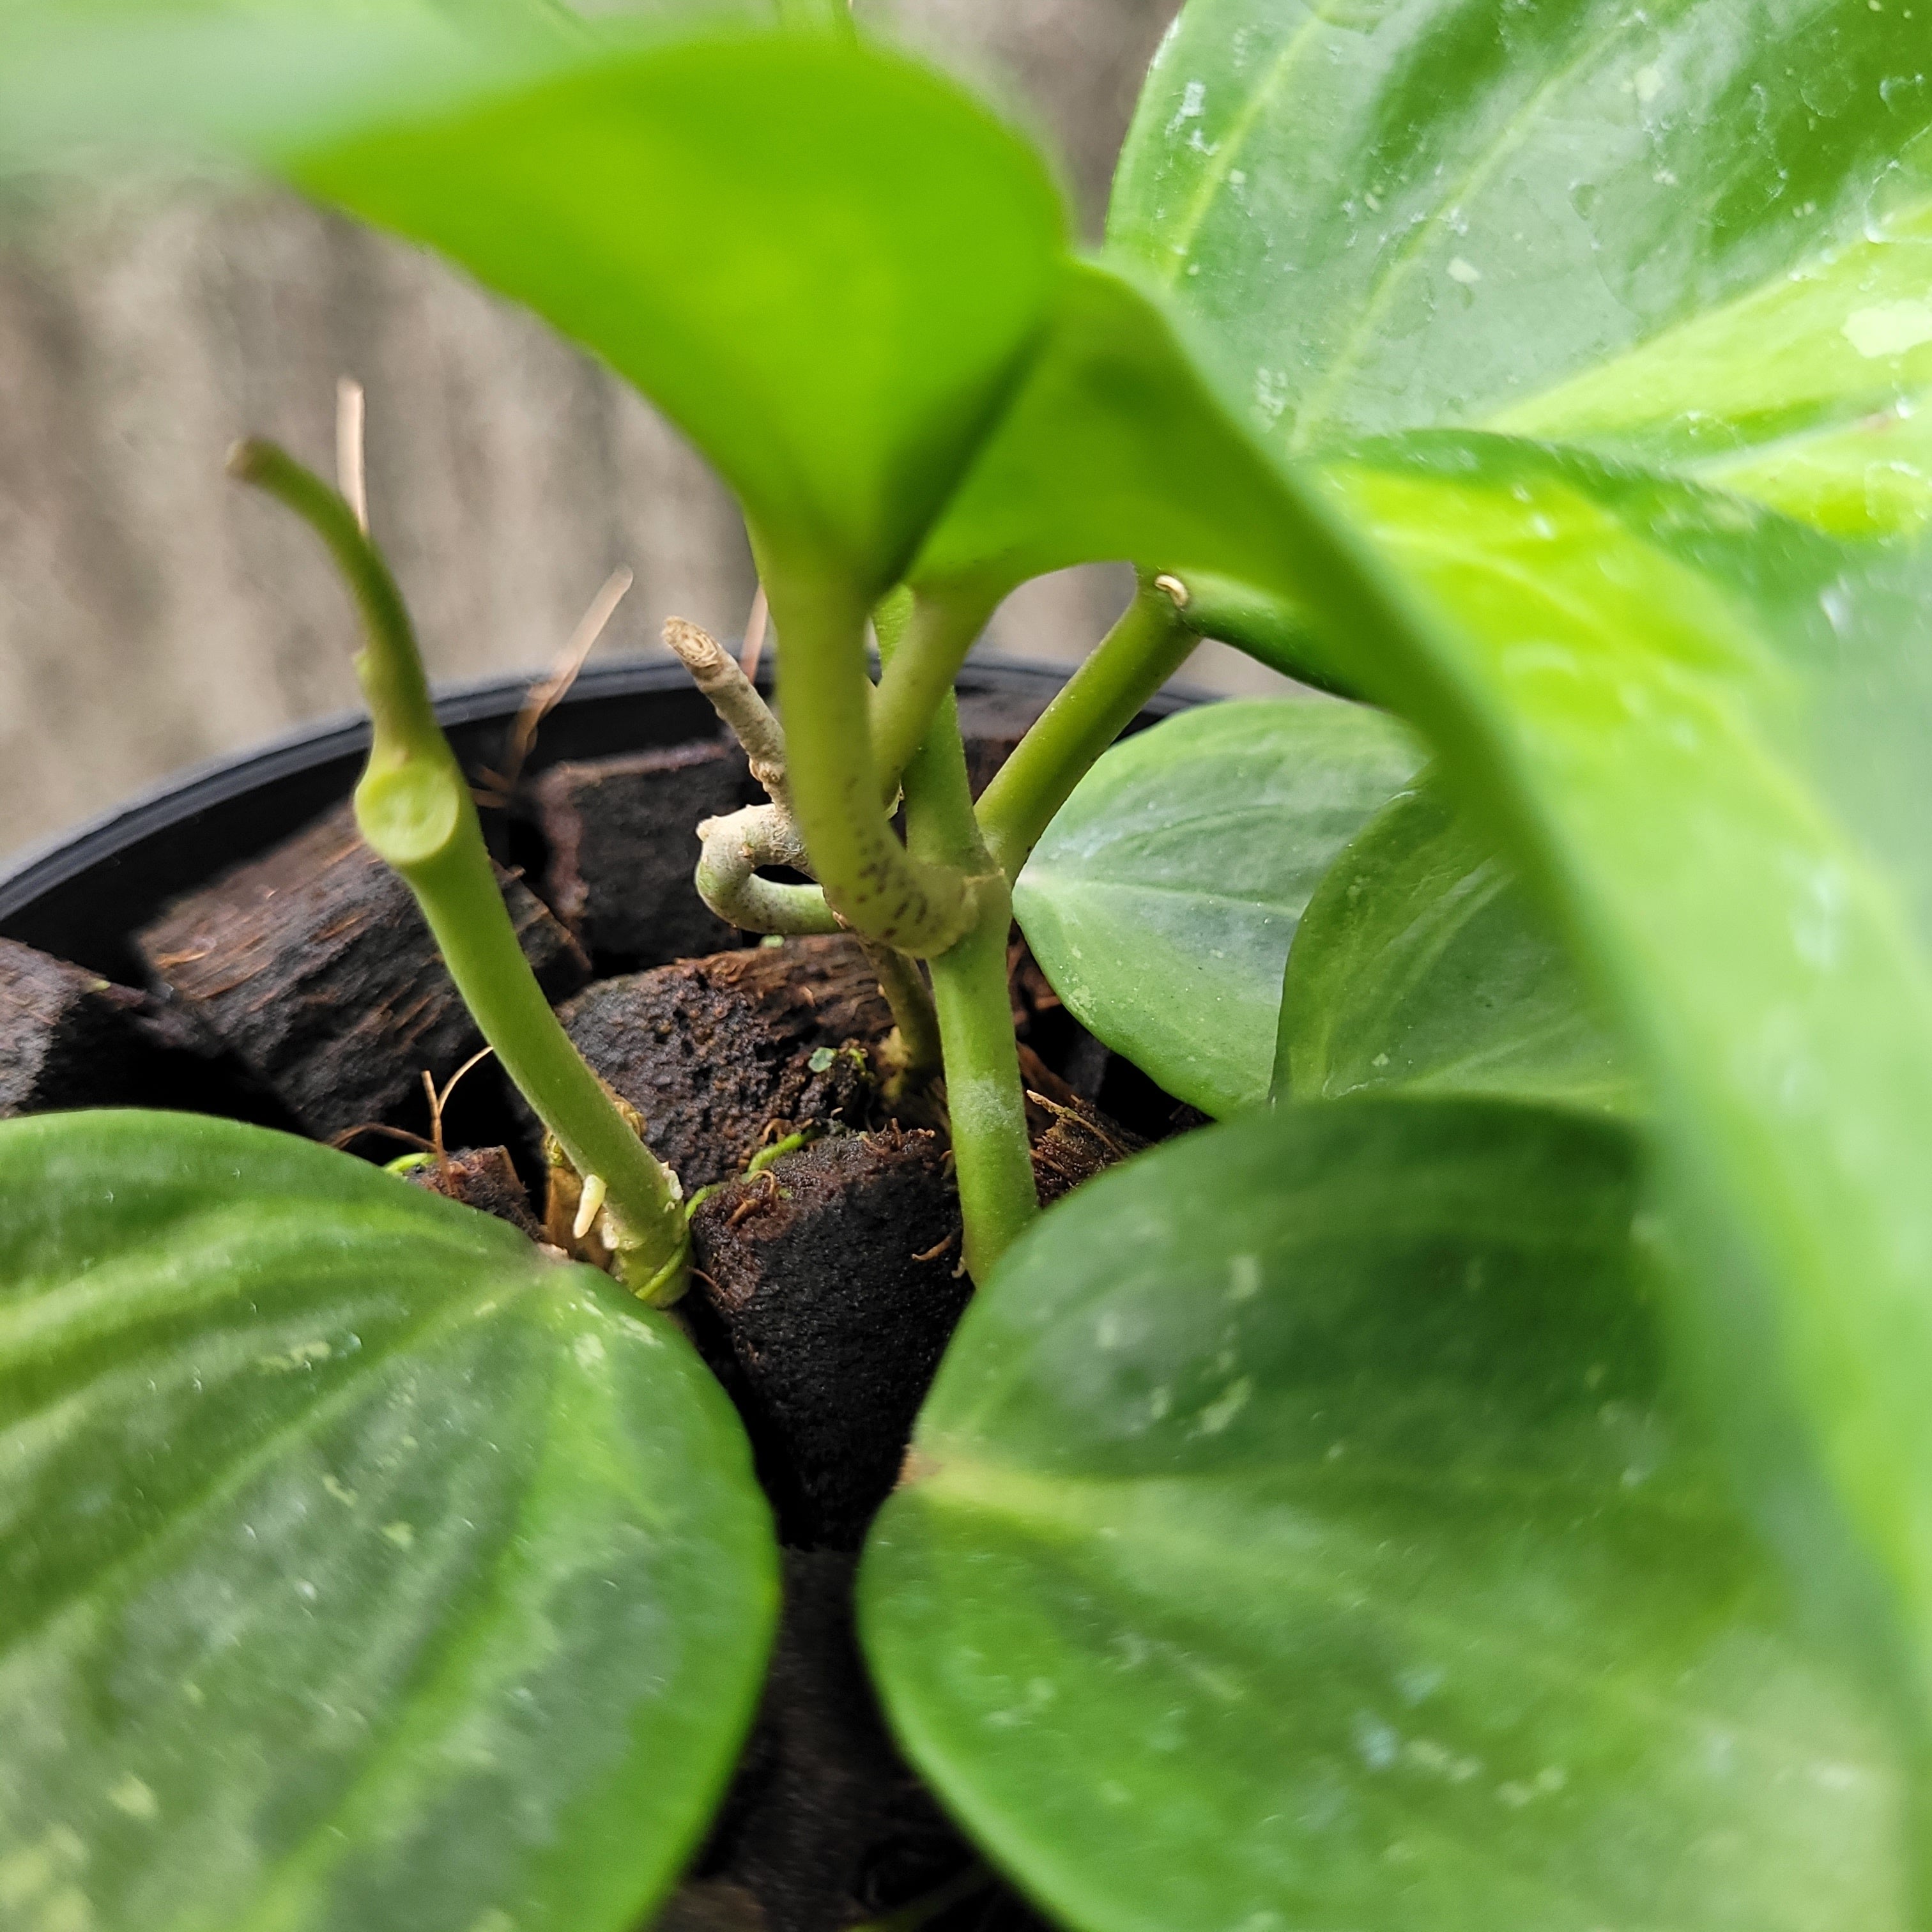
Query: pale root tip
x,y
351,471
1178,593
589,1205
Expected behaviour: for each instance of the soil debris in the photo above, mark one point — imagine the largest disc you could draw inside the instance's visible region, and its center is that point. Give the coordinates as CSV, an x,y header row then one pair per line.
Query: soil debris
x,y
725,1055
1080,1143
831,1282
314,967
1051,1034
484,1178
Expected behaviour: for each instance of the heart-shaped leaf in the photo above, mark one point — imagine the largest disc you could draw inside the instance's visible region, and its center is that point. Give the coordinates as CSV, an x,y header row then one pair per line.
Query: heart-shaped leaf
x,y
1299,1533
1665,233
361,1568
825,263
1420,962
1161,902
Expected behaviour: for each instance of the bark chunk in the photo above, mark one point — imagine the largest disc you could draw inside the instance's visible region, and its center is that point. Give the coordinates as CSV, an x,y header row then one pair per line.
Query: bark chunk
x,y
67,1037
711,1905
623,838
622,834
831,1276
314,967
722,1055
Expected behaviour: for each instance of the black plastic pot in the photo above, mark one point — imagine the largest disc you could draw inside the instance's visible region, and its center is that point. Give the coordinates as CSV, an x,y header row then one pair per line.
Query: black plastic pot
x,y
83,897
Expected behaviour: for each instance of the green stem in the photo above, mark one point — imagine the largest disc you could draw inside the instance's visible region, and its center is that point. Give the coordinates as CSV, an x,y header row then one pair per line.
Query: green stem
x,y
414,807
992,1156
919,665
1272,630
915,1053
388,668
1138,655
457,889
881,891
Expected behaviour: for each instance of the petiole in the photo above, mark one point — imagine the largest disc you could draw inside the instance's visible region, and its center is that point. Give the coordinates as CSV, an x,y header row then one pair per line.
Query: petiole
x,y
414,807
1142,651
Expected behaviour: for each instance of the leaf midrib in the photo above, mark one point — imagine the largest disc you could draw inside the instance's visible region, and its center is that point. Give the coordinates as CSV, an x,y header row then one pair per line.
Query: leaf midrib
x,y
1233,139
1088,884
994,1497
1312,409
235,1475
303,1864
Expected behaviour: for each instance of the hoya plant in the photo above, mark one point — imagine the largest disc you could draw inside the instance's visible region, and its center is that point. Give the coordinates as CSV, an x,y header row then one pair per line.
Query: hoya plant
x,y
1483,1479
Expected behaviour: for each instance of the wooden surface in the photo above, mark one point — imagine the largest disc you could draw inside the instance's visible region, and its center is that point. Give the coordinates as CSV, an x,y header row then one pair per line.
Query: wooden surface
x,y
153,614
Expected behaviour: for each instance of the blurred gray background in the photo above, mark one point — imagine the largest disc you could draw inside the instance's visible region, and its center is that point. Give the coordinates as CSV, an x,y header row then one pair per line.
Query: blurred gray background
x,y
153,614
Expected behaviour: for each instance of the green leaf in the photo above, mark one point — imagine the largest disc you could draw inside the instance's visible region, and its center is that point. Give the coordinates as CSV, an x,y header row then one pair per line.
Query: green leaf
x,y
360,1568
1420,962
1300,1534
1161,902
1115,445
1081,464
825,263
1698,737
85,81
1667,234
1638,691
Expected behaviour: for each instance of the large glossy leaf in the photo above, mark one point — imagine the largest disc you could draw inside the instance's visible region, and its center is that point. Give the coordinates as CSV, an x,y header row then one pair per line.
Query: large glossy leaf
x,y
1697,736
360,1568
825,263
1699,234
1656,712
1161,900
1299,1534
1421,962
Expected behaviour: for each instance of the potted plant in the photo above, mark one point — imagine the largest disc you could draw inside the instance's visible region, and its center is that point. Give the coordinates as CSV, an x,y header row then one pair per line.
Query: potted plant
x,y
1483,1479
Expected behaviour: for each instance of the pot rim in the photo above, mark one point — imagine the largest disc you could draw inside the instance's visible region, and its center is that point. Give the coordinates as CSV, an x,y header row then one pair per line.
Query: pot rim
x,y
86,860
